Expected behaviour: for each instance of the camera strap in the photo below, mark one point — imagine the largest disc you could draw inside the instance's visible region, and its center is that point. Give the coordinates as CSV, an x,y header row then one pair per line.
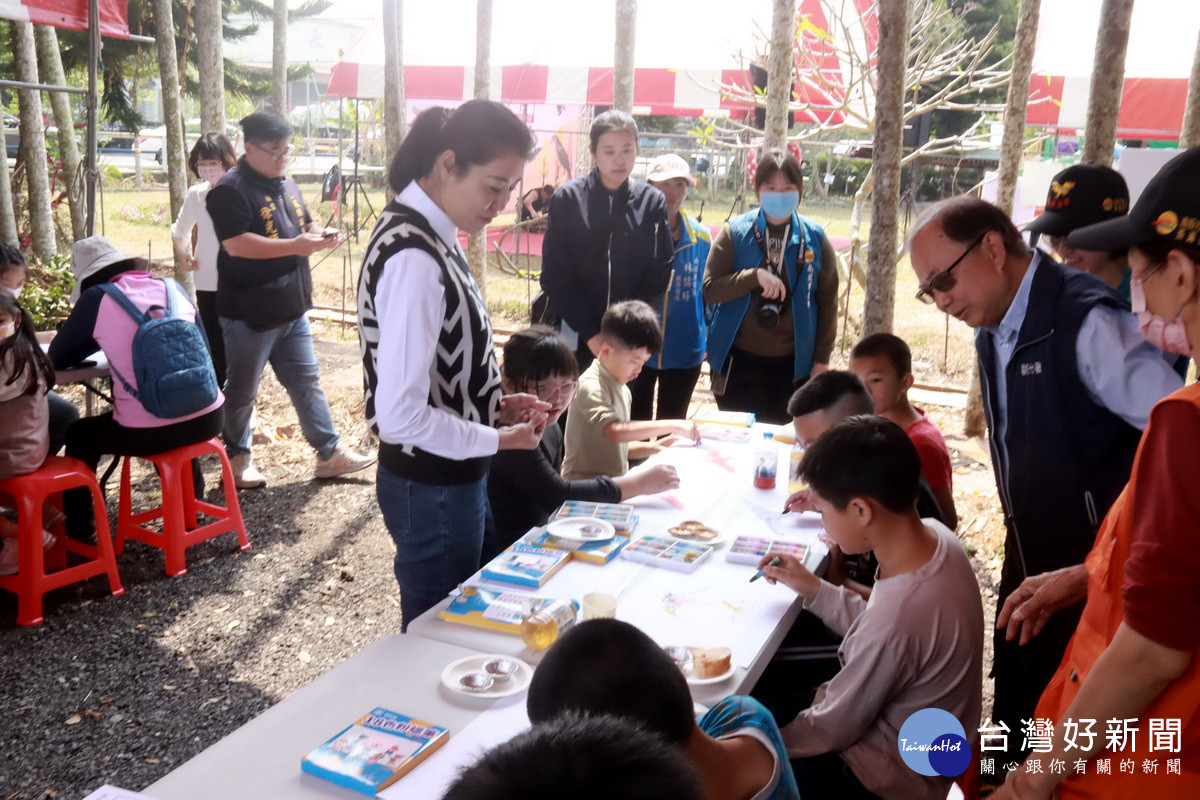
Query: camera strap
x,y
780,270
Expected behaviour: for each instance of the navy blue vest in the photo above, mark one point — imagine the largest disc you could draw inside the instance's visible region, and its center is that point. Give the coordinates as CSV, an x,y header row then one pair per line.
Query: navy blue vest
x,y
1064,459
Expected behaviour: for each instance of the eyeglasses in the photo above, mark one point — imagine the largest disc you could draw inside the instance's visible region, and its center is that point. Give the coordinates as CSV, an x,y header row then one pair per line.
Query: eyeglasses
x,y
944,281
1145,276
275,154
549,391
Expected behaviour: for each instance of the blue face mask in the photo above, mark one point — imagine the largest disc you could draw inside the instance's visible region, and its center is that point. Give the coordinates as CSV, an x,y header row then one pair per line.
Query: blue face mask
x,y
779,204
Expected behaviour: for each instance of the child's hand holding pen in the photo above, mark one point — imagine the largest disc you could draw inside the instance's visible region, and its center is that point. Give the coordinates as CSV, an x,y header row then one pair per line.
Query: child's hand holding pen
x,y
791,572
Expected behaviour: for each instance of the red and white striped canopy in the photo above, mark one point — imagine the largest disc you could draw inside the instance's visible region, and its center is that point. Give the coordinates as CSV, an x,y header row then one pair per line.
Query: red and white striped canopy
x,y
544,54
1162,41
70,14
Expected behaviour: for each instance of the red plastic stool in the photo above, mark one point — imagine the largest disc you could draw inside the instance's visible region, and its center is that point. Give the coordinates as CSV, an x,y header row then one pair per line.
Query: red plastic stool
x,y
180,509
27,493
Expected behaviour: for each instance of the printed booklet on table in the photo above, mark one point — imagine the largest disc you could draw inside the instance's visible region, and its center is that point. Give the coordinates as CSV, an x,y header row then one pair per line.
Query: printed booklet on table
x,y
376,751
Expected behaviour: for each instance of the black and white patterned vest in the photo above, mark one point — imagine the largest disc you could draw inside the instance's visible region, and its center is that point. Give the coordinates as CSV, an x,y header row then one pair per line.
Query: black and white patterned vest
x,y
465,378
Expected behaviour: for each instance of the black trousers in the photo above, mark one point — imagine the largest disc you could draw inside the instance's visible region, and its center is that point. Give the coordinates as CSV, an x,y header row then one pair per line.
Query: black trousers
x,y
675,387
63,414
90,438
827,775
206,304
760,385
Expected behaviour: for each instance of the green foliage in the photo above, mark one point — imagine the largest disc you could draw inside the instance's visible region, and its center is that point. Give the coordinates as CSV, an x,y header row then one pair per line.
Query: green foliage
x,y
975,19
47,289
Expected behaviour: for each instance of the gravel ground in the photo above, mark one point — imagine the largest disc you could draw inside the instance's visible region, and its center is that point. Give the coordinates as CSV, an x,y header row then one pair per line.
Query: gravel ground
x,y
124,689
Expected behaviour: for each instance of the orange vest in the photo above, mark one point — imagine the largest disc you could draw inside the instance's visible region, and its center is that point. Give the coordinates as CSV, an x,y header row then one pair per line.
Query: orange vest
x,y
1102,616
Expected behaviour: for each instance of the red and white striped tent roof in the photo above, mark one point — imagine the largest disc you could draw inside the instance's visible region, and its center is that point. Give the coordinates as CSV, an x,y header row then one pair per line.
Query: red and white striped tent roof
x,y
1162,41
70,14
549,52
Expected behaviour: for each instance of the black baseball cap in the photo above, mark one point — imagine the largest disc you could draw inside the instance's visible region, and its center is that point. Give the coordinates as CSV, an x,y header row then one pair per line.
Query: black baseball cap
x,y
1079,196
1168,209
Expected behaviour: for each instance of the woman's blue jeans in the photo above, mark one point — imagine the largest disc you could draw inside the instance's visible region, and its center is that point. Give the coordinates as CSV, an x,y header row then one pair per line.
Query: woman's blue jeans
x,y
438,531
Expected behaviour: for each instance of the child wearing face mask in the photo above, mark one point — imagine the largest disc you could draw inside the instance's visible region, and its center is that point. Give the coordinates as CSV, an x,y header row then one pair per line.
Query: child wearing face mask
x,y
25,376
211,157
14,273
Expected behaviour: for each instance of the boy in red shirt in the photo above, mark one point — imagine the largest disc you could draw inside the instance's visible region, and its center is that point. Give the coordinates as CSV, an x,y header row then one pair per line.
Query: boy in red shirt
x,y
884,363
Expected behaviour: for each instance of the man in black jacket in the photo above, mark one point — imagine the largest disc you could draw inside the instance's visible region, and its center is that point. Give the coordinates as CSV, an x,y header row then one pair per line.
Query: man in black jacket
x,y
607,237
264,289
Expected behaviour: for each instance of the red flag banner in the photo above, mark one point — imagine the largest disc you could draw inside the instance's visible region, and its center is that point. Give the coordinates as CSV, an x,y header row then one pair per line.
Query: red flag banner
x,y
70,14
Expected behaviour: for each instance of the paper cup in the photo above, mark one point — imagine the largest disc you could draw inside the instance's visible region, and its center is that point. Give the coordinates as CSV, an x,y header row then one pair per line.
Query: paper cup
x,y
598,605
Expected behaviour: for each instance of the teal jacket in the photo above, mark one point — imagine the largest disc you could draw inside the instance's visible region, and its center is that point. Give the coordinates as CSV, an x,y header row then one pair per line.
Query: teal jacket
x,y
803,252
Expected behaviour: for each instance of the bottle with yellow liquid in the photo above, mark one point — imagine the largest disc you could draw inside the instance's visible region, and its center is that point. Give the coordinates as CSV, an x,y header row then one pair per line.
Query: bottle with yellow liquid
x,y
543,627
795,482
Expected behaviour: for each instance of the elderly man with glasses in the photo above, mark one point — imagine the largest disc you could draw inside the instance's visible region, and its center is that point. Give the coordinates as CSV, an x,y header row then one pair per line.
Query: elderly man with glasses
x,y
1068,382
264,290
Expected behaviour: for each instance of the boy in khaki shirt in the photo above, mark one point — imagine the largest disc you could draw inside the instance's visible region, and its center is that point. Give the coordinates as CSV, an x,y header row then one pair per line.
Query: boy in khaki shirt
x,y
600,437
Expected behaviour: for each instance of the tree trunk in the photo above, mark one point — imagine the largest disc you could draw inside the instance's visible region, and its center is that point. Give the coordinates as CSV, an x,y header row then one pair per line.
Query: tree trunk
x,y
623,56
175,158
861,198
975,421
779,73
133,101
1190,136
279,58
880,302
1013,141
32,149
1108,78
393,76
477,244
210,37
51,68
8,215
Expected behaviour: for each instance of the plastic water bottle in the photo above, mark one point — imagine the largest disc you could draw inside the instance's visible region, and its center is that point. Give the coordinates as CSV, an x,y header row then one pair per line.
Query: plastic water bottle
x,y
795,482
766,463
543,627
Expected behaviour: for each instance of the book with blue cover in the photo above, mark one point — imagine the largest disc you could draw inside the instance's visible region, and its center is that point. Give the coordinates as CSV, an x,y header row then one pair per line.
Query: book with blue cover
x,y
592,552
524,564
375,751
493,609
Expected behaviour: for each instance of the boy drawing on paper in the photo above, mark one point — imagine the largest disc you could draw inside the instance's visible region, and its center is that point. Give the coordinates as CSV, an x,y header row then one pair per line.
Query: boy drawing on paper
x,y
884,363
600,438
606,666
916,643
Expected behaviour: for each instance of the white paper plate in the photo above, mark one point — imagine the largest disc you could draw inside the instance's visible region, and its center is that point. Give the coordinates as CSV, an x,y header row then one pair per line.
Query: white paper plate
x,y
694,680
581,529
515,683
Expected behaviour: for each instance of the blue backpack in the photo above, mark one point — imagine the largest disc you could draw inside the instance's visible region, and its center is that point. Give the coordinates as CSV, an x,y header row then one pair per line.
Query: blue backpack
x,y
171,362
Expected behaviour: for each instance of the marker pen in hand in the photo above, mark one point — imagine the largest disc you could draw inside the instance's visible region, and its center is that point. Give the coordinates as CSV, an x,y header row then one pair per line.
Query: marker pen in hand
x,y
774,562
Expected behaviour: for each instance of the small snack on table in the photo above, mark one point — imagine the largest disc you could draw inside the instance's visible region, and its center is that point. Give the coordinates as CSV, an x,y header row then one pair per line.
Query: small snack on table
x,y
709,662
682,656
475,681
693,530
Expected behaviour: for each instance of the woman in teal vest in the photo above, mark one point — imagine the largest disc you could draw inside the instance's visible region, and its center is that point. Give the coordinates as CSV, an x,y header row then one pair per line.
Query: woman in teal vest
x,y
772,279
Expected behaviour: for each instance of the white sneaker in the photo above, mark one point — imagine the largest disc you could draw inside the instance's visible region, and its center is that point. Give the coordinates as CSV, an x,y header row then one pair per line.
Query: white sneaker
x,y
342,462
245,476
10,558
